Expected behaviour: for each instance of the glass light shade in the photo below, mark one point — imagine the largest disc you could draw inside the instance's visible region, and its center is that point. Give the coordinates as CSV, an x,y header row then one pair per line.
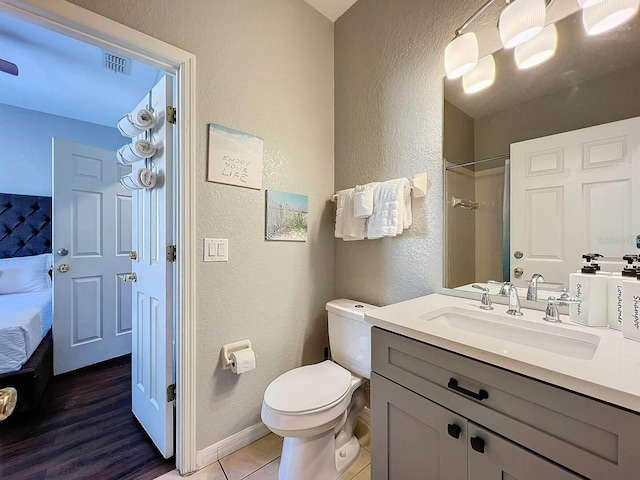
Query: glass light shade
x,y
608,15
461,55
589,3
521,21
481,77
539,49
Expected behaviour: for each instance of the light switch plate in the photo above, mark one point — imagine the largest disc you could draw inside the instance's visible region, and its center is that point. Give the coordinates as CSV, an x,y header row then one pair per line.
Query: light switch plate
x,y
216,250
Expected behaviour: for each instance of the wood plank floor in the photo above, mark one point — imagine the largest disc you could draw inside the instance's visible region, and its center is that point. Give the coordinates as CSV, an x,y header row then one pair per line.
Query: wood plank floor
x,y
83,429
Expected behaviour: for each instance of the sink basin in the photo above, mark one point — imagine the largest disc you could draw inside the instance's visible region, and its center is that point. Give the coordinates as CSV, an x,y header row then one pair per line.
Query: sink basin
x,y
549,338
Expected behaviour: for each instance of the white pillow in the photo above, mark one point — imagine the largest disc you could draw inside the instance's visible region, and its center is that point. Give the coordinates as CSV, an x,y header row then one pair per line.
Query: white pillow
x,y
22,280
35,278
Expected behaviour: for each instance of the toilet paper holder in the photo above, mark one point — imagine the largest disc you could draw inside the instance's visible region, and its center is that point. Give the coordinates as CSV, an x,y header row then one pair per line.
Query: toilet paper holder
x,y
229,348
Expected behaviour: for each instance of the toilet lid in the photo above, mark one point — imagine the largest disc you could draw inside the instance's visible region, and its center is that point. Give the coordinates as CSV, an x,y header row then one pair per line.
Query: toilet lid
x,y
308,388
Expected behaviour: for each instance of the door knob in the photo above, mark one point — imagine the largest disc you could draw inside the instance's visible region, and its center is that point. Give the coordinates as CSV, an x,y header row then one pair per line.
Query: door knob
x,y
133,255
518,271
63,252
129,277
63,268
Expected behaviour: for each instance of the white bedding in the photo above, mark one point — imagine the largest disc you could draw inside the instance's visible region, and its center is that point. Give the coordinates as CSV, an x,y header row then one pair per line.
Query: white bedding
x,y
25,318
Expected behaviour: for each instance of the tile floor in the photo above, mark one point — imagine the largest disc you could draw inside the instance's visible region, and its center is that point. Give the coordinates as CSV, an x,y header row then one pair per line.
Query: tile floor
x,y
261,459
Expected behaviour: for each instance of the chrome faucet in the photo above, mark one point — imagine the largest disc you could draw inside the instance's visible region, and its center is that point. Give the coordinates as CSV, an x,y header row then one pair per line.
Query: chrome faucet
x,y
485,303
514,301
532,291
552,315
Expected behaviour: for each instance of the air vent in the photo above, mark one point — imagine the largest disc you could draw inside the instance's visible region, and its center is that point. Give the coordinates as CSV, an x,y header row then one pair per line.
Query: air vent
x,y
116,63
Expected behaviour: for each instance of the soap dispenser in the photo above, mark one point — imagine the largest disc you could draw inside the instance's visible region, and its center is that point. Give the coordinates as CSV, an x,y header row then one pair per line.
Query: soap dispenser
x,y
631,308
614,288
592,290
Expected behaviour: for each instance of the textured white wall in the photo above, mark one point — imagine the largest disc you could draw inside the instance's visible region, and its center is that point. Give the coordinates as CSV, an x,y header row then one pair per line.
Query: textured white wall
x,y
266,68
389,105
25,155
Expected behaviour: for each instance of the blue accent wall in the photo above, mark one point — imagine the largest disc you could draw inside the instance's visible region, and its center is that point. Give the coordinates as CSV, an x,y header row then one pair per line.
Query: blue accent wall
x,y
25,140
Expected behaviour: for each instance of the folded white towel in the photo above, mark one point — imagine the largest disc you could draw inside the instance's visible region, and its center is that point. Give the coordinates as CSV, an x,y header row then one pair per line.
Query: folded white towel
x,y
352,228
340,202
141,179
391,209
363,200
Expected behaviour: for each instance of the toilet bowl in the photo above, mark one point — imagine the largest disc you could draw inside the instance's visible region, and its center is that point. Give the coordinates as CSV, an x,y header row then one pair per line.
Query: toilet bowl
x,y
315,407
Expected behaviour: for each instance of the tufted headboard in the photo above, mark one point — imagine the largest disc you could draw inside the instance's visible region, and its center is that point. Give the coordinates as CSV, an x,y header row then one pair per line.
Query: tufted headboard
x,y
25,225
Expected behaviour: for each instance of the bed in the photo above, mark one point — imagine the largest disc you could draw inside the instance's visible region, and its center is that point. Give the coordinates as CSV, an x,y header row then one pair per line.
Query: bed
x,y
26,314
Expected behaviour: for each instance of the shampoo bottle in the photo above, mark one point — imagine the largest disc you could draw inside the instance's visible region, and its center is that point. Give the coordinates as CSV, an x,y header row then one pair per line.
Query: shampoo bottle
x,y
615,285
591,289
631,308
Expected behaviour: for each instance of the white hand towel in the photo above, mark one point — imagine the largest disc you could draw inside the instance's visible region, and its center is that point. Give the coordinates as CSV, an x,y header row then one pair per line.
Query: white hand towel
x,y
389,215
340,202
352,228
363,200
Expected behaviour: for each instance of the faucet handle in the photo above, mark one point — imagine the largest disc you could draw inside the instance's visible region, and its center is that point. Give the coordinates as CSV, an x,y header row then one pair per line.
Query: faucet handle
x,y
485,303
551,314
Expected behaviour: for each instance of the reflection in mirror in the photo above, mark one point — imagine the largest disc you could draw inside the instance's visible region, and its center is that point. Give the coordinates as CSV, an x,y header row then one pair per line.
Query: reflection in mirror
x,y
540,166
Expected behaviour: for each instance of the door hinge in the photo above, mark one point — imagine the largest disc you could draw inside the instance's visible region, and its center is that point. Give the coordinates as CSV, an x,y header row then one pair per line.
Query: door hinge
x,y
171,392
171,253
171,114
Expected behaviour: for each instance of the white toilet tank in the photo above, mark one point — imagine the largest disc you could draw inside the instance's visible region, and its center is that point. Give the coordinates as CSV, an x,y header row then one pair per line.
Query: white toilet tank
x,y
350,335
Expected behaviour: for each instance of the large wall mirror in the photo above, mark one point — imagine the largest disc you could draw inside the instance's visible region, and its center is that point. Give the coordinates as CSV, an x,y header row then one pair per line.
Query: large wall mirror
x,y
544,165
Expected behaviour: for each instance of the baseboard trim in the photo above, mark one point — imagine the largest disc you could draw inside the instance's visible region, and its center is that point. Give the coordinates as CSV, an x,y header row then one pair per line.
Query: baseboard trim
x,y
365,416
219,450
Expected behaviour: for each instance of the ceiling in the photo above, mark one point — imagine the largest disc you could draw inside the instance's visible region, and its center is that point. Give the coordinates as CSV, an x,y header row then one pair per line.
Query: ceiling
x,y
66,77
332,9
578,58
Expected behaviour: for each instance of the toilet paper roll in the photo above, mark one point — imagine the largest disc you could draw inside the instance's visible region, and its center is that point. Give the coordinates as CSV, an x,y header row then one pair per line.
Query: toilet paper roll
x,y
243,360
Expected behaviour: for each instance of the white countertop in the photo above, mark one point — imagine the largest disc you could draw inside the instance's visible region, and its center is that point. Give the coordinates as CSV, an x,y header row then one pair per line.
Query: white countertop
x,y
612,375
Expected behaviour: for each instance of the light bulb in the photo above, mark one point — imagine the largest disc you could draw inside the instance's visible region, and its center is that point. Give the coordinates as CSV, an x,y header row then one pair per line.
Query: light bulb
x,y
461,55
481,77
608,15
521,20
537,50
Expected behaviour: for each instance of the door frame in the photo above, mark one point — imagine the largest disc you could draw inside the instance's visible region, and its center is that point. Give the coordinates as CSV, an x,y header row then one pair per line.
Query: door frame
x,y
89,27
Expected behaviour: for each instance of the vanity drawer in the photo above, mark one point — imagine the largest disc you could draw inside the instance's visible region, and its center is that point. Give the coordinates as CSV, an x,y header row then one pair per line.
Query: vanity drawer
x,y
592,438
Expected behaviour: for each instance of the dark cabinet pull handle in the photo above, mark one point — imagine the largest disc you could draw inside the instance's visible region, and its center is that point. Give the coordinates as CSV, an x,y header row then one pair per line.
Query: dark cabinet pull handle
x,y
477,444
481,395
454,430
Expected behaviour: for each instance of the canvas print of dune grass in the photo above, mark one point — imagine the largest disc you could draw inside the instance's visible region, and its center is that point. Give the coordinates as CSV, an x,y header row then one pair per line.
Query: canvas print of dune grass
x,y
286,216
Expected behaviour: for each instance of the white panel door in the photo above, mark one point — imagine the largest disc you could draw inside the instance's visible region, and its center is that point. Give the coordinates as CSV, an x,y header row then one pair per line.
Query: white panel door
x,y
92,222
152,309
572,194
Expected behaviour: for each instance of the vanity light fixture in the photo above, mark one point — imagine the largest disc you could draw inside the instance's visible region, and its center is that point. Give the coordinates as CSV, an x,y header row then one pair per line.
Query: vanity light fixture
x,y
607,15
589,3
461,55
521,20
537,50
480,77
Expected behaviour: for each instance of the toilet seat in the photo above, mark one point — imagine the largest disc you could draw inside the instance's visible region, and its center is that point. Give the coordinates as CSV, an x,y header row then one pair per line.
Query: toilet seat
x,y
313,388
308,400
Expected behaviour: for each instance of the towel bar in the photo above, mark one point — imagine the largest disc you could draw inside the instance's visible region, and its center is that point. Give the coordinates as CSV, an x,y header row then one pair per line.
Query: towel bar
x,y
418,186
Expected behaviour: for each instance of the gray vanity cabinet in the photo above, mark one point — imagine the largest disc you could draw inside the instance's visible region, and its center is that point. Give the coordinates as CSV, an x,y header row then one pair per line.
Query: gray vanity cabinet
x,y
508,426
412,439
416,439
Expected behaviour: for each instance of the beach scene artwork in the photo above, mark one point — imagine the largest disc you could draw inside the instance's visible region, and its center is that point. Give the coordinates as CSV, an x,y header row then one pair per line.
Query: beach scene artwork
x,y
286,216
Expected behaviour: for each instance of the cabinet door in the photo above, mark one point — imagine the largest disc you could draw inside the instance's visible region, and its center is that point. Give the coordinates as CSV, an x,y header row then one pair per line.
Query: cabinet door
x,y
412,437
491,457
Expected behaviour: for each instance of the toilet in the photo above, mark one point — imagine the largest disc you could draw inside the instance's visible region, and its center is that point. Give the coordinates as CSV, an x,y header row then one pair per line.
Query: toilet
x,y
315,407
